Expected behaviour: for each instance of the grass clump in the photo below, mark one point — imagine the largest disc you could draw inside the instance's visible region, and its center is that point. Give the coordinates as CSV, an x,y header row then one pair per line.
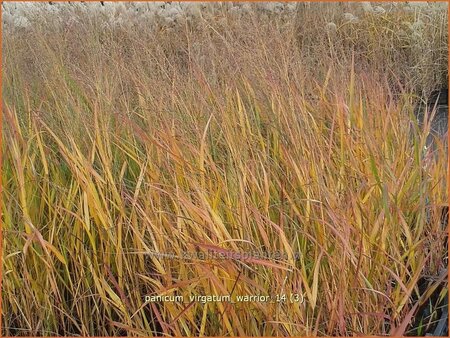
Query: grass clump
x,y
133,159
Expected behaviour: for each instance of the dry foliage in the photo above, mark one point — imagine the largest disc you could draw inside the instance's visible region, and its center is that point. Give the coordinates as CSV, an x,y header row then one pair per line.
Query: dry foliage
x,y
222,135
